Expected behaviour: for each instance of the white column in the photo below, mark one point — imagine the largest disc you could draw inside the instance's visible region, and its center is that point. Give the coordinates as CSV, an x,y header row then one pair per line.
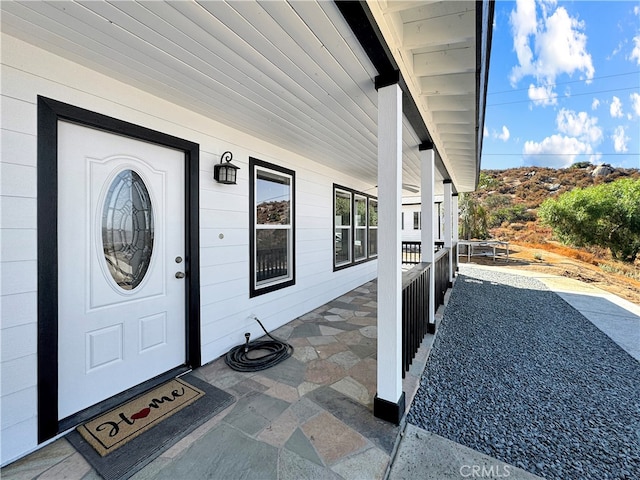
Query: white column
x,y
456,233
389,370
427,191
448,236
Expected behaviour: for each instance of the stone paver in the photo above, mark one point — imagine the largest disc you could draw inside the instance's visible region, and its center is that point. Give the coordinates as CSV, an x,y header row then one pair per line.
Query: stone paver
x,y
331,438
309,417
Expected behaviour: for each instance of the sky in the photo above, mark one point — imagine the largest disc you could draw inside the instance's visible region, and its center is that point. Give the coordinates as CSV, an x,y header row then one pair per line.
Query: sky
x,y
564,84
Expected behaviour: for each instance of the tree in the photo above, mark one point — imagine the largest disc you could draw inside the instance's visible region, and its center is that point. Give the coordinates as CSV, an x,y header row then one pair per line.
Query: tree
x,y
474,218
605,215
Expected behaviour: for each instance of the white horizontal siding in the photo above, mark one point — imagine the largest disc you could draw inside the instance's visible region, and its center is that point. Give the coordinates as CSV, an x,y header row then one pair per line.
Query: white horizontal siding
x,y
17,147
18,341
18,244
18,212
22,405
23,308
224,212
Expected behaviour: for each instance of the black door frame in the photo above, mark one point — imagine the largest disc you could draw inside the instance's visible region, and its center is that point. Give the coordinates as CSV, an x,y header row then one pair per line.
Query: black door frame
x,y
49,113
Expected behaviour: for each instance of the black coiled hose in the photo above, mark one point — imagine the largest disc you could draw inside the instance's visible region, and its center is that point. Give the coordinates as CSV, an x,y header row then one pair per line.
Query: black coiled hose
x,y
239,359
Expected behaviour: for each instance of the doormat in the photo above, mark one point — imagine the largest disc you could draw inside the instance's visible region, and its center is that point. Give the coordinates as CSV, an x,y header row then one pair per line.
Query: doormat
x,y
122,441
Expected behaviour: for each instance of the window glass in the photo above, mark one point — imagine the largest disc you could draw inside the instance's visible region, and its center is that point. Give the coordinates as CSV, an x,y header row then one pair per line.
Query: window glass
x,y
360,241
416,220
342,227
355,227
273,230
373,227
127,229
272,258
273,198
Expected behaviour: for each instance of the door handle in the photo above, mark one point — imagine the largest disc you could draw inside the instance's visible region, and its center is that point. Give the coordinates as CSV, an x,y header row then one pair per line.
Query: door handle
x,y
179,274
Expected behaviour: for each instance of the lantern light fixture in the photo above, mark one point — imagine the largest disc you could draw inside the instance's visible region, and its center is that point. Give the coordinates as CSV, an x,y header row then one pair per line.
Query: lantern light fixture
x,y
225,172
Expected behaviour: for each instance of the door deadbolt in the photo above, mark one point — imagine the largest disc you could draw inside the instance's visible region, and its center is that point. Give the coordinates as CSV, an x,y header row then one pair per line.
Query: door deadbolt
x,y
179,274
178,259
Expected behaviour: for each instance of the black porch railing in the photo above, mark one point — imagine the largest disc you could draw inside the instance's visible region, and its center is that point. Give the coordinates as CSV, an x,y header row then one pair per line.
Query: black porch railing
x,y
442,277
415,311
415,303
412,251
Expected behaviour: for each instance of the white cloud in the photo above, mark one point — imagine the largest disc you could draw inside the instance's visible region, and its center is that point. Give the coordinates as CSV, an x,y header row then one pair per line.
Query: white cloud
x,y
615,109
636,10
635,53
485,132
547,47
595,104
557,151
616,50
563,47
543,95
619,140
579,125
579,134
504,136
635,103
523,24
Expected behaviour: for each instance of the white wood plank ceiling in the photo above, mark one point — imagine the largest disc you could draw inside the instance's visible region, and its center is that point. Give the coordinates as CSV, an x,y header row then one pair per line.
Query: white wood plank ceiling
x,y
434,45
290,73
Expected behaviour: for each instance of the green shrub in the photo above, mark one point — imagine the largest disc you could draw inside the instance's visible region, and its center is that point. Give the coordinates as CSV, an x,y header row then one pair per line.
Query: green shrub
x,y
605,215
510,214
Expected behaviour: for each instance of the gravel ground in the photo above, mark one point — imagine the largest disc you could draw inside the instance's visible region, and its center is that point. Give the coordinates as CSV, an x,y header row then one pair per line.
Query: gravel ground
x,y
518,374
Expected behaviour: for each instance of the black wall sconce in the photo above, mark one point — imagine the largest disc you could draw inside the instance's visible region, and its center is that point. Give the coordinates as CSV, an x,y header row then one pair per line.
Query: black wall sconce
x,y
225,172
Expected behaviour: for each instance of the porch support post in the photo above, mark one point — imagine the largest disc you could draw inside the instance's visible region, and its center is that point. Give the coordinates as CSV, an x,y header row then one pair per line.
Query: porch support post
x,y
448,235
389,402
456,215
427,201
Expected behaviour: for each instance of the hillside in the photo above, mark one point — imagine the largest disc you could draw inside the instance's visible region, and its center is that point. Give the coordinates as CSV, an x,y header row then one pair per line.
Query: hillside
x,y
506,203
511,197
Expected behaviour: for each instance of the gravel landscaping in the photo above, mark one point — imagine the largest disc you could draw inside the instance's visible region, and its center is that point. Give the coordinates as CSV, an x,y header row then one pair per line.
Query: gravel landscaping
x,y
518,374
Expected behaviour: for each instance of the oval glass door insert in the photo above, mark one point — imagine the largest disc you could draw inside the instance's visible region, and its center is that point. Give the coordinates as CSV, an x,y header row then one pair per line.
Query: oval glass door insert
x,y
127,229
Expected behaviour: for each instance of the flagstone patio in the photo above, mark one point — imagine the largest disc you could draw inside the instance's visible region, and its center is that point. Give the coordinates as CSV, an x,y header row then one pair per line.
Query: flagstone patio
x,y
308,417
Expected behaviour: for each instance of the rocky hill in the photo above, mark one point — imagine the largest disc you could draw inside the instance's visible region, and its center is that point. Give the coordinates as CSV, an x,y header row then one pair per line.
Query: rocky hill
x,y
510,198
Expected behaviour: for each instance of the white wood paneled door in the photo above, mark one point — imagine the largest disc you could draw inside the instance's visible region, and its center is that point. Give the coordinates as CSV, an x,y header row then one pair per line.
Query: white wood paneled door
x,y
121,245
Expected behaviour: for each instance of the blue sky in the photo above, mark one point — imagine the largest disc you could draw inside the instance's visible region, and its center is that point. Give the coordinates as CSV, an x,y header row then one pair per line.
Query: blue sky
x,y
564,84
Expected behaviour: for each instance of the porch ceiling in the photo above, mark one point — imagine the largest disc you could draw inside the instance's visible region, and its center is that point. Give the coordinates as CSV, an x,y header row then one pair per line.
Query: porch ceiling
x,y
434,45
292,74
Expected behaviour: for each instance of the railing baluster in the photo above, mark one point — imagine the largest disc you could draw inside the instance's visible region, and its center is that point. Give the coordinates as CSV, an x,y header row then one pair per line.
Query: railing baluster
x,y
415,300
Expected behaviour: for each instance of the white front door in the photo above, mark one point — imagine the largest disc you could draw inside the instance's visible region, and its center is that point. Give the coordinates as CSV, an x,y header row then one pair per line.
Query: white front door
x,y
121,245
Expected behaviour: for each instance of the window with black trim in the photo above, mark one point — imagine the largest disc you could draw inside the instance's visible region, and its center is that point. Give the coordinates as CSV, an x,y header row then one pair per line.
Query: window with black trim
x,y
373,227
360,224
417,220
355,218
272,217
342,230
